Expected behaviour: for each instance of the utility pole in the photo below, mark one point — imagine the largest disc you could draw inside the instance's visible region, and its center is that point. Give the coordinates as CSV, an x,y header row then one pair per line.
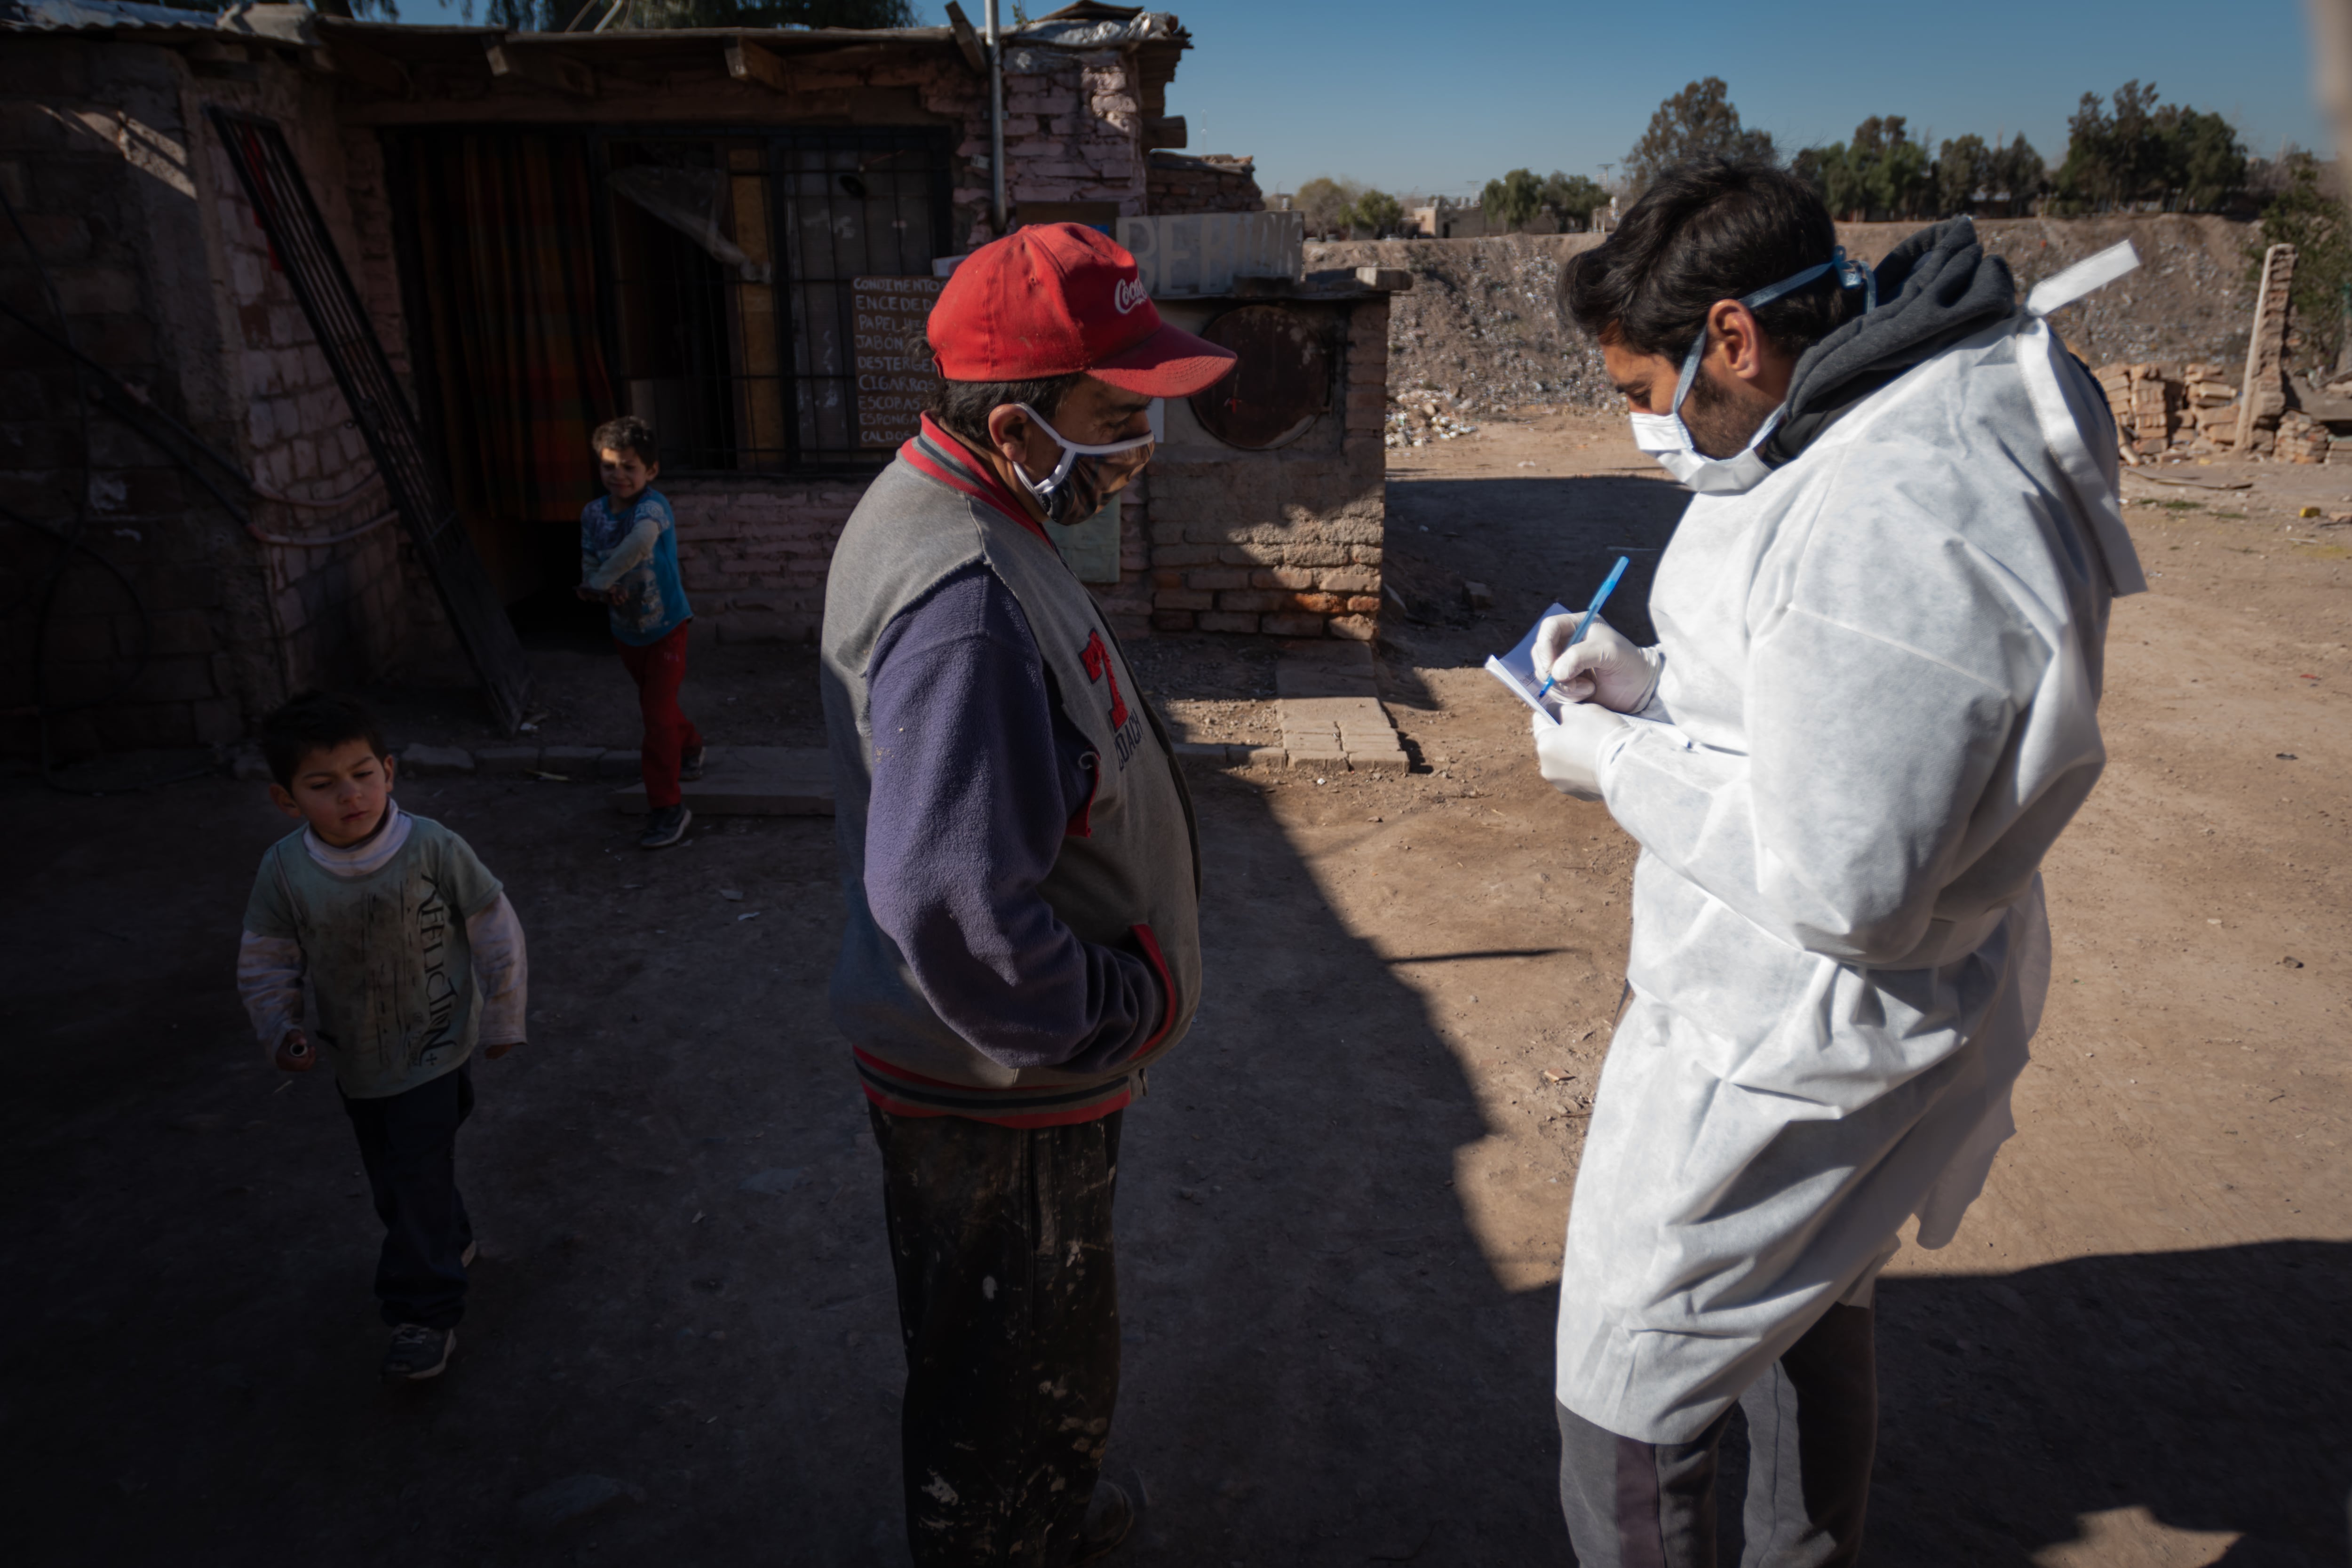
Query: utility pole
x,y
995,123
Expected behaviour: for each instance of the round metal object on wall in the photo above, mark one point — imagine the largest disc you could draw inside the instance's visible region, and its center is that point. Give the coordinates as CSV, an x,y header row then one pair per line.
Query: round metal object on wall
x,y
1281,385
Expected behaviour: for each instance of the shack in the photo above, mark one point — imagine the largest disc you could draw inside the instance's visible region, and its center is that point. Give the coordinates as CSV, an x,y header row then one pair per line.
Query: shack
x,y
306,319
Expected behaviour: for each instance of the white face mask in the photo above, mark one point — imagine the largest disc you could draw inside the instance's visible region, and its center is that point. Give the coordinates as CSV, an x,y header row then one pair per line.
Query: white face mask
x,y
1664,435
1070,494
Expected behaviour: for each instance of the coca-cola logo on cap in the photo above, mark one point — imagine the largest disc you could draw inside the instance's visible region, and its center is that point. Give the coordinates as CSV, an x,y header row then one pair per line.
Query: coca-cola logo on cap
x,y
1128,295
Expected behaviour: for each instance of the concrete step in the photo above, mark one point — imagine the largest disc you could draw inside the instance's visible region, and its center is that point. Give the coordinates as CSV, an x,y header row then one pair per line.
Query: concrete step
x,y
754,781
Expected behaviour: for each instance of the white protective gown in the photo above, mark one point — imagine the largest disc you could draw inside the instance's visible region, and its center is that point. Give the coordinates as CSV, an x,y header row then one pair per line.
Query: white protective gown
x,y
1878,710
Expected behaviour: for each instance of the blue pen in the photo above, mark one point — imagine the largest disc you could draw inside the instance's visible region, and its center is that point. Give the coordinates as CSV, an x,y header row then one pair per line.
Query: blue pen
x,y
1607,587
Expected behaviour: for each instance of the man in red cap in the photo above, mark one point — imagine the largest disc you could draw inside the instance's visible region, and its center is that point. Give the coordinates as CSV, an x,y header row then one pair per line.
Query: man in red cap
x,y
1022,884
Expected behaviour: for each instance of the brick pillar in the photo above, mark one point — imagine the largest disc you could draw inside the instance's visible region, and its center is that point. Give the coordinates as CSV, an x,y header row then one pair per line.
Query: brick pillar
x,y
2263,397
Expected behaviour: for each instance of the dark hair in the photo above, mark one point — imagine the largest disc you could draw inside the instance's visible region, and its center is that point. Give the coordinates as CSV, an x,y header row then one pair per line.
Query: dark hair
x,y
628,434
316,722
1709,230
963,407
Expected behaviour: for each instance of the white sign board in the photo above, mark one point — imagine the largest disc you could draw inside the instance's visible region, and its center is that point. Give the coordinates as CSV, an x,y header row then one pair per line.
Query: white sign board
x,y
1180,254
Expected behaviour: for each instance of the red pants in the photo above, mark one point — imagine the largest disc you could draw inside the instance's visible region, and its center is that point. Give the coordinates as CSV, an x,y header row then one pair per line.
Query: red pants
x,y
659,669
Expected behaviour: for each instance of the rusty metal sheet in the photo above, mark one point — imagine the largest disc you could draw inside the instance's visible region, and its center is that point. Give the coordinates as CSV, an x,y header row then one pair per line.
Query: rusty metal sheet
x,y
1281,385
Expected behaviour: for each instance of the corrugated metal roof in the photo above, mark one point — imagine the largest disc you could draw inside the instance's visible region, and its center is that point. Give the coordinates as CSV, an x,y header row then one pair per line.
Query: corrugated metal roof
x,y
95,15
1091,28
1104,33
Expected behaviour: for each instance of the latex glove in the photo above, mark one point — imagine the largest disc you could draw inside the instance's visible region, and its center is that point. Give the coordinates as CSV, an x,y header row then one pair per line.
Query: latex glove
x,y
1567,753
1607,667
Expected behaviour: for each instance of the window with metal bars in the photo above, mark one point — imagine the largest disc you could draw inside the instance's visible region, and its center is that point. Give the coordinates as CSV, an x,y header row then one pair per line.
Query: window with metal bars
x,y
729,258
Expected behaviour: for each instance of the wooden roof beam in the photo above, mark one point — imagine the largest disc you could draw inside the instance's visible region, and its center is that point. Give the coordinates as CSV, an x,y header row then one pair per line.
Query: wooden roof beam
x,y
514,62
748,61
967,40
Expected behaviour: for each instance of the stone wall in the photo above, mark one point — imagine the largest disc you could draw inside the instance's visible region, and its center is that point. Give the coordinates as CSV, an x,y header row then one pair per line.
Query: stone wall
x,y
1214,183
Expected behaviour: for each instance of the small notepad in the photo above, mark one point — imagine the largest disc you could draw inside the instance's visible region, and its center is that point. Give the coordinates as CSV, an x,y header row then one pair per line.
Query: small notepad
x,y
1517,669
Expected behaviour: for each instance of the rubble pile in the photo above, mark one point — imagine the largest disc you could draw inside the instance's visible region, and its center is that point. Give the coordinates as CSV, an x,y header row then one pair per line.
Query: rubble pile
x,y
1481,325
1418,416
2301,439
2170,412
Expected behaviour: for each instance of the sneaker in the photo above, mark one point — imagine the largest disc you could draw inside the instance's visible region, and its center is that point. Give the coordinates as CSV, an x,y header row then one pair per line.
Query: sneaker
x,y
418,1352
665,828
1110,1519
689,767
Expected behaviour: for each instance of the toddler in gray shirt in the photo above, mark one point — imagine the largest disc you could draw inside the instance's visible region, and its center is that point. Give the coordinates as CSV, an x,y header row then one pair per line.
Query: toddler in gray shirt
x,y
412,956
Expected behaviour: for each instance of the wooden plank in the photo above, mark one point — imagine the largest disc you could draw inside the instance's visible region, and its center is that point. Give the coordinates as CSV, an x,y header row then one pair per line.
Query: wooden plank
x,y
967,39
748,61
1164,130
753,781
535,65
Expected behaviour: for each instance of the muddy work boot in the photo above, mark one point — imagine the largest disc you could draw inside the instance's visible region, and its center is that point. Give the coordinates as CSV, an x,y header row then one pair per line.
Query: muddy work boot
x,y
689,767
1110,1518
665,828
419,1352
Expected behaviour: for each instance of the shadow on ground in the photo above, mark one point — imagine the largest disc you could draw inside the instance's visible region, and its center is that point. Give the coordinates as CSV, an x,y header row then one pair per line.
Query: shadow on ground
x,y
2205,1387
1530,541
1320,1367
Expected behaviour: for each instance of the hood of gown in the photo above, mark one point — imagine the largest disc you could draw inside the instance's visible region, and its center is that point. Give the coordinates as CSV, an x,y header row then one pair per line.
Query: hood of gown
x,y
1935,288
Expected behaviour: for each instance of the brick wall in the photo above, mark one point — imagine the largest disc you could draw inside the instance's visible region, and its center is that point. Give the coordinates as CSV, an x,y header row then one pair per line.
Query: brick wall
x,y
1285,542
342,613
754,561
96,154
1214,183
169,280
1073,124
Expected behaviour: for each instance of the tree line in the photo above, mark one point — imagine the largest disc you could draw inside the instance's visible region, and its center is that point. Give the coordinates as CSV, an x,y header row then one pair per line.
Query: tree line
x,y
2128,151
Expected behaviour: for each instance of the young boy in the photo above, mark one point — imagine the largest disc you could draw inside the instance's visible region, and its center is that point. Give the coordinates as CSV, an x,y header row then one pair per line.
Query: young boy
x,y
628,559
412,955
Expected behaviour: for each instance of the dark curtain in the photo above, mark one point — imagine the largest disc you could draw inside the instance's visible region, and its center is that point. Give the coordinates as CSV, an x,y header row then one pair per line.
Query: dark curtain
x,y
506,247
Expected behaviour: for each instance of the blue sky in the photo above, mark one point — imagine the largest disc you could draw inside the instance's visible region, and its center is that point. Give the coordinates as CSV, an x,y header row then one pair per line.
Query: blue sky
x,y
1442,97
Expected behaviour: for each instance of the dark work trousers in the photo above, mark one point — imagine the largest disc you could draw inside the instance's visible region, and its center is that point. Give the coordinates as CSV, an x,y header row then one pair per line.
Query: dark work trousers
x,y
659,670
1813,1427
408,1142
1000,1238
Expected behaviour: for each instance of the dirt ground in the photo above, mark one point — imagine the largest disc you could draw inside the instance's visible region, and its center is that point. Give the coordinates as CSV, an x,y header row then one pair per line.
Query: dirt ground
x,y
1343,1196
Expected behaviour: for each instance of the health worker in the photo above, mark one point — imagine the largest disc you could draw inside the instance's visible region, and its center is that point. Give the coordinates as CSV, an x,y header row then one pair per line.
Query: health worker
x,y
1872,709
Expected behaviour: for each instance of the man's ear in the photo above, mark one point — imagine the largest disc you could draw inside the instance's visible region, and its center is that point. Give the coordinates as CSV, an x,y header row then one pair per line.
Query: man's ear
x,y
1008,432
284,802
1741,340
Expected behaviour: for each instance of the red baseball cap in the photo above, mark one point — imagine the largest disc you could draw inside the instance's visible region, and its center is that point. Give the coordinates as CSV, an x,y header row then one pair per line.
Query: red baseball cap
x,y
1056,297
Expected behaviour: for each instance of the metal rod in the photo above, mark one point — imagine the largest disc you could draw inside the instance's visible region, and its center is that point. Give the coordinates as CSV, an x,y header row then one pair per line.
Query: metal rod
x,y
995,123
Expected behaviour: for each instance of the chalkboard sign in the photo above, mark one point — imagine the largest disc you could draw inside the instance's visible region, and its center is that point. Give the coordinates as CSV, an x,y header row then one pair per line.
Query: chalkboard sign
x,y
892,386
